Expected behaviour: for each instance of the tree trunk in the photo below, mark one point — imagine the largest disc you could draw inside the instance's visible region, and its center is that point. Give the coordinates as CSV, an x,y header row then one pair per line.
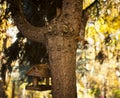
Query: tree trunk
x,y
2,90
62,47
62,54
59,36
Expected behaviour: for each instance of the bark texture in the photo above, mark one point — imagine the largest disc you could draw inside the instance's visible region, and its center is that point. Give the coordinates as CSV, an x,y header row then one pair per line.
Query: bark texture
x,y
62,50
62,53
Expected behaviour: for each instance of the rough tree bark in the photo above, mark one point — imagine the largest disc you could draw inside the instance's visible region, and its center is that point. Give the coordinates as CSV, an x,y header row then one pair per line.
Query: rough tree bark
x,y
62,50
59,37
62,54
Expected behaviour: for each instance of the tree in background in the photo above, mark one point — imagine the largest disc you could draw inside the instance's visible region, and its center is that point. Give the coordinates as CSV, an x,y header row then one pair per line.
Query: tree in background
x,y
100,59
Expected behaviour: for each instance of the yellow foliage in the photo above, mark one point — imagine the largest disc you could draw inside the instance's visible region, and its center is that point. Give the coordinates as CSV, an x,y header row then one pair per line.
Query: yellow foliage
x,y
118,47
1,45
8,43
91,32
4,25
101,26
114,12
113,25
86,3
